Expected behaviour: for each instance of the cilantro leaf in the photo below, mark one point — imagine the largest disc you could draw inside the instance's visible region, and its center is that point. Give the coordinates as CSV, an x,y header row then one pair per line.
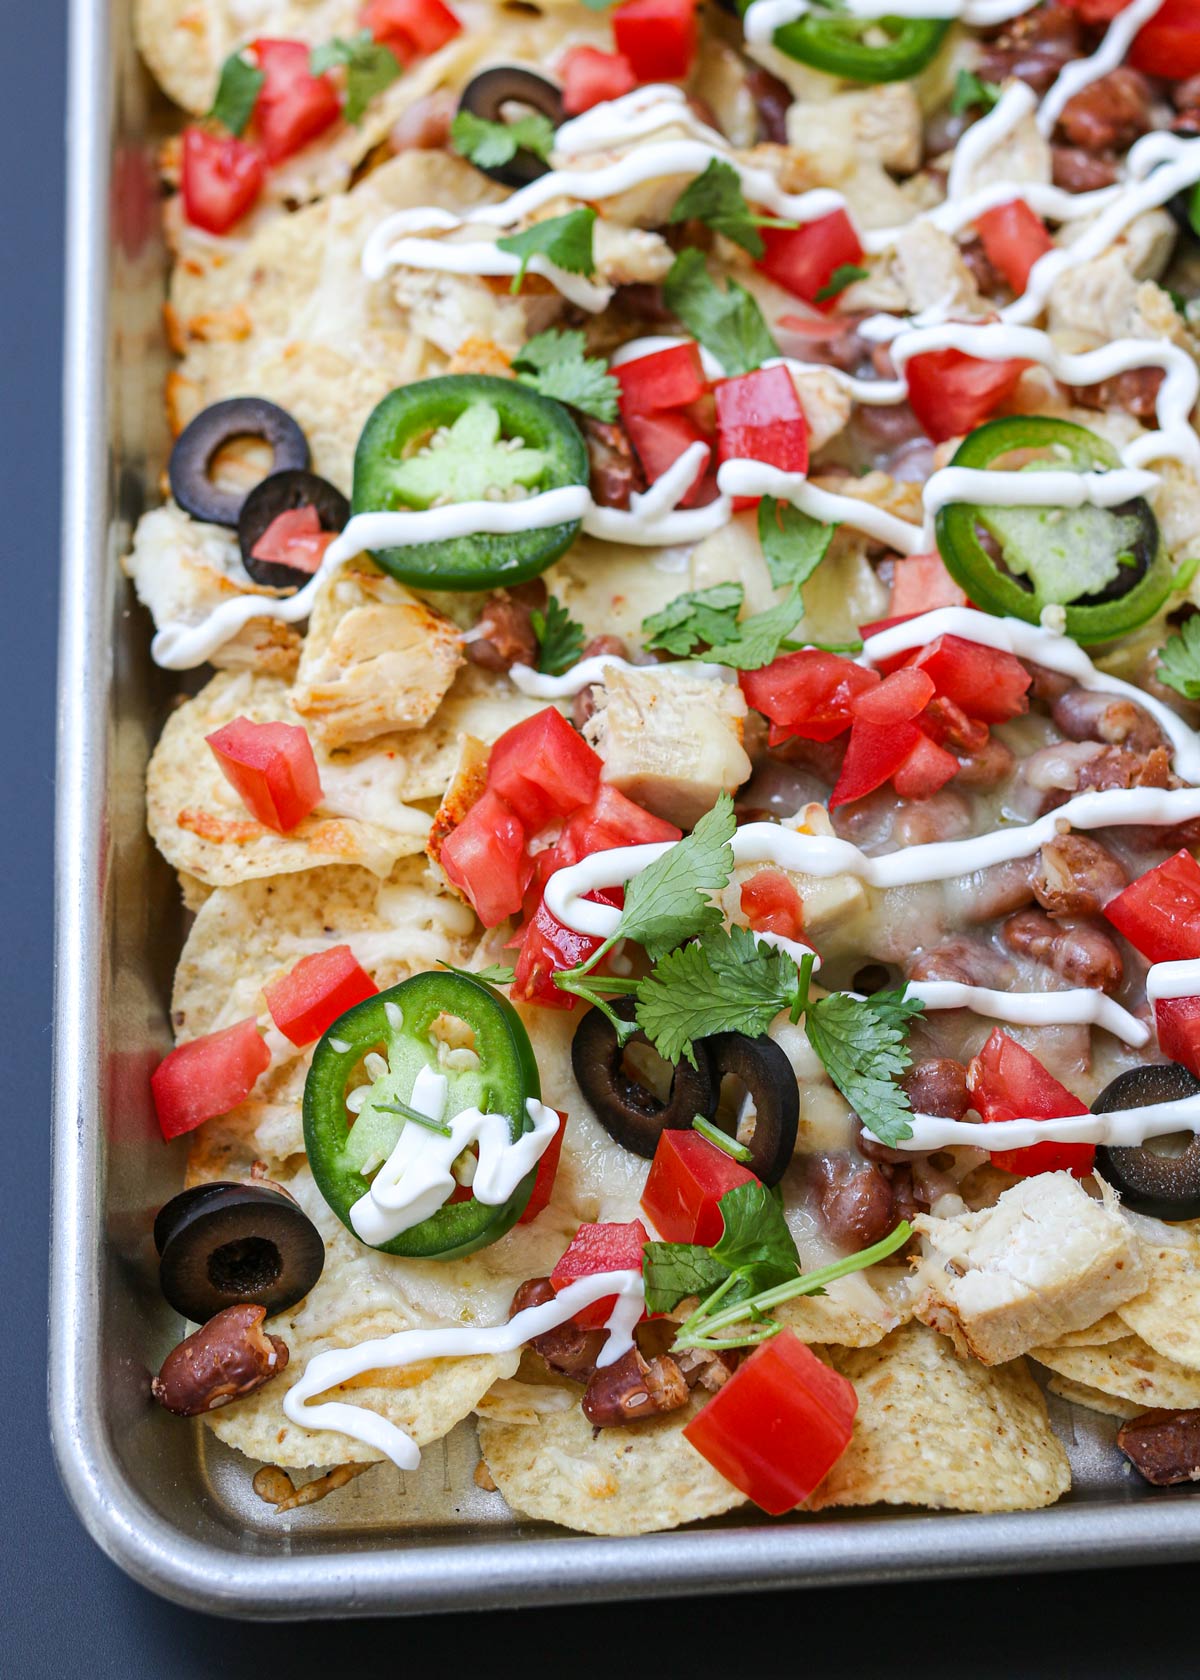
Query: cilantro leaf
x,y
728,323
237,93
756,1242
1179,660
971,90
555,364
793,542
727,983
863,1044
560,638
370,67
698,618
716,199
755,641
668,902
674,1271
496,975
565,241
490,144
844,275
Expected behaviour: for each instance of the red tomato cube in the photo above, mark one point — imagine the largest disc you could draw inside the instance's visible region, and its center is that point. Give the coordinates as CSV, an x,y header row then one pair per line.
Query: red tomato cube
x,y
543,769
600,1248
547,1172
1007,1083
484,857
771,904
778,1426
222,177
1169,44
688,1177
208,1076
926,769
951,393
590,77
875,752
803,260
309,998
1013,238
411,28
898,698
807,693
657,37
548,947
660,439
669,378
920,582
986,682
294,538
1178,1024
611,820
293,106
759,418
271,768
1159,913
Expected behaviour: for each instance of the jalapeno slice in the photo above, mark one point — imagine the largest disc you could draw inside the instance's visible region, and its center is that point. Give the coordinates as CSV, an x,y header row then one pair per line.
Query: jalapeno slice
x,y
466,438
397,1026
1109,567
861,49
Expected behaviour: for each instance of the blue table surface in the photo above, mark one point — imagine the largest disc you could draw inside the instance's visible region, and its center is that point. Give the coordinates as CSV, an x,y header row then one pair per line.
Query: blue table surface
x,y
66,1609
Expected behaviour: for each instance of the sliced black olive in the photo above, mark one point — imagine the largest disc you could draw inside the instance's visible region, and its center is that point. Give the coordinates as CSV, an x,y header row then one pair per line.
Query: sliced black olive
x,y
200,439
284,492
487,94
1148,1180
224,1244
770,1080
627,1110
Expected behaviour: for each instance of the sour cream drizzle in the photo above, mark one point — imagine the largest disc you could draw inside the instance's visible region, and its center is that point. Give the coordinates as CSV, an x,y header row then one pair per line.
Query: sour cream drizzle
x,y
413,1347
1073,78
583,675
1123,1128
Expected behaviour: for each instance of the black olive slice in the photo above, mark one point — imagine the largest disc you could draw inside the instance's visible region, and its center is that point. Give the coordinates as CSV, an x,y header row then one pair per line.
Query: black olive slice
x,y
225,1244
200,439
1148,1181
284,492
770,1080
487,94
629,1112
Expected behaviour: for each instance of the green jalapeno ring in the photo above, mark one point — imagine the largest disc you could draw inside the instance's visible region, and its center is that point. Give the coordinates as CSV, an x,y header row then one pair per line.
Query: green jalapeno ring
x,y
1101,616
413,413
507,1076
835,43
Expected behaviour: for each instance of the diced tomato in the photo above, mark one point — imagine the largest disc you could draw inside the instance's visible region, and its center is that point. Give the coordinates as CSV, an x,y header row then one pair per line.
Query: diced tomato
x,y
1013,238
1159,913
951,394
222,177
309,998
806,693
688,1177
920,583
1178,1023
271,768
610,820
657,37
411,28
548,947
803,260
759,418
600,1248
294,538
897,699
875,753
927,768
547,1172
1007,1083
986,682
660,439
771,904
1169,45
542,768
484,857
778,1426
293,105
207,1077
669,378
590,77
949,726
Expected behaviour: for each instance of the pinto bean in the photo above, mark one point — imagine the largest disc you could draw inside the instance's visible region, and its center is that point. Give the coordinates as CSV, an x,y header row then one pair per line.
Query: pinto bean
x,y
506,637
1047,685
1109,114
996,891
1058,769
1163,1446
1076,876
992,764
615,472
943,816
968,961
1135,390
711,1370
1113,767
938,1086
771,100
981,268
585,701
1033,47
1082,953
567,1349
643,299
632,1389
855,1200
226,1358
1075,170
1084,715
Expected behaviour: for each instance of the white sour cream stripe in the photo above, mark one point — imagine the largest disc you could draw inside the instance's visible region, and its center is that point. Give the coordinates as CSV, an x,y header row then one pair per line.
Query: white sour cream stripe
x,y
573,681
1123,1128
412,1347
1079,1006
1174,979
1074,77
1065,489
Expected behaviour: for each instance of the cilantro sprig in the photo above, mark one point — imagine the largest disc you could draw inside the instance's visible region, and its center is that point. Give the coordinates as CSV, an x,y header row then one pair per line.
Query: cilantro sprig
x,y
726,982
844,275
560,638
498,974
716,199
708,618
971,91
565,241
555,363
370,67
237,93
728,323
1179,660
793,542
488,145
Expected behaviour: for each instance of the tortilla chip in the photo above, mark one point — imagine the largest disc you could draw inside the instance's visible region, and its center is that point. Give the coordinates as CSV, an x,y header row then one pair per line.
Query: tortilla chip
x,y
939,1431
634,1479
1092,1399
1110,1328
1167,1315
512,1401
1129,1369
855,1312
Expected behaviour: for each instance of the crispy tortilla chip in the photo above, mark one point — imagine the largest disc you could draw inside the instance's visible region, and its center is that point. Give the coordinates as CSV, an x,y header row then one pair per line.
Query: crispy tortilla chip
x,y
1110,1328
855,1312
512,1401
1129,1369
635,1479
943,1432
1091,1399
1167,1315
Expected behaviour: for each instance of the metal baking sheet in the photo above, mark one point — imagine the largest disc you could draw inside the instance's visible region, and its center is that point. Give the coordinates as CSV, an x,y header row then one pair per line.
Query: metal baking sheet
x,y
164,1499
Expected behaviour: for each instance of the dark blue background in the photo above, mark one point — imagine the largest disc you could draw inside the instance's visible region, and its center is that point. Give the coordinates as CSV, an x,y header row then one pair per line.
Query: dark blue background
x,y
68,1610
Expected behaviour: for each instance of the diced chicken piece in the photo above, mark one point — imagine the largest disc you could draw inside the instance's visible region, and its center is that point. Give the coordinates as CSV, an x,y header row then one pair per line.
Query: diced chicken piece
x,y
448,309
881,125
375,659
930,268
466,786
627,256
670,740
1045,1259
1023,155
182,570
826,404
1105,300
